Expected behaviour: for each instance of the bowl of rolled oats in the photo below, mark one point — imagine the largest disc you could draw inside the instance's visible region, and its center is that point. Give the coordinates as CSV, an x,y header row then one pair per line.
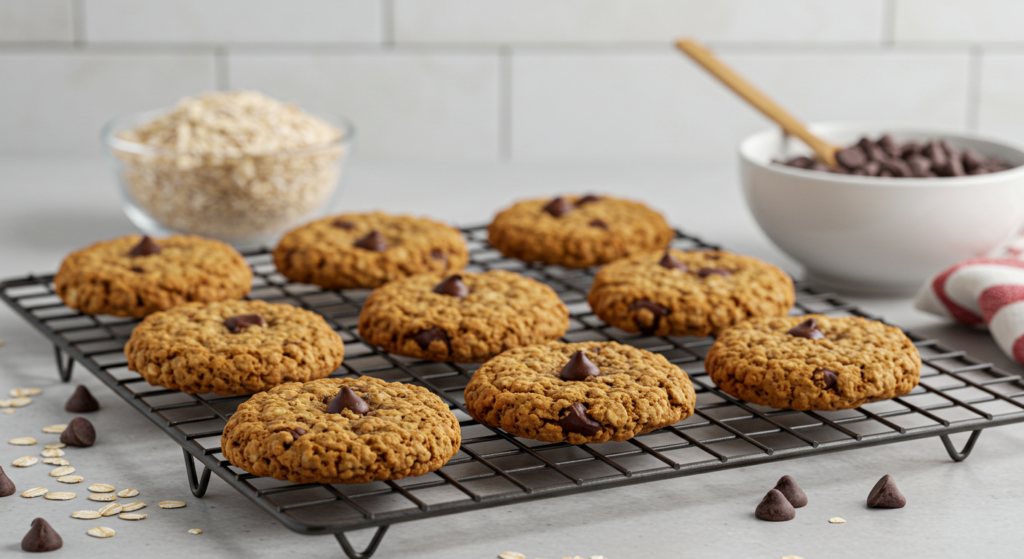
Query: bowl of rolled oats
x,y
233,165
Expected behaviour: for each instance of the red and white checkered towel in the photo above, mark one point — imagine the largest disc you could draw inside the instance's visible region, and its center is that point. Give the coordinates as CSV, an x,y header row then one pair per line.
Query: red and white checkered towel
x,y
982,292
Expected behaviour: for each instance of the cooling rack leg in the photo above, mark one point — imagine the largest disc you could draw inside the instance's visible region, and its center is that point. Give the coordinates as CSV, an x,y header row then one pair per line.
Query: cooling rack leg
x,y
198,485
366,553
64,366
961,455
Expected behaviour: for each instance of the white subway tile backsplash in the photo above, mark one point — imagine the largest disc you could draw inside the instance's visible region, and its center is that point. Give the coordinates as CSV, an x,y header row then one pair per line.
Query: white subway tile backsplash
x,y
1001,105
615,21
959,21
233,21
662,106
36,20
55,104
410,106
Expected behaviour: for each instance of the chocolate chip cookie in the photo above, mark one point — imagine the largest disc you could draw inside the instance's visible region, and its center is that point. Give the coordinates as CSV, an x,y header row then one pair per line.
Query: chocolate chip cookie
x,y
813,362
577,231
233,347
466,318
368,250
590,392
341,430
691,293
135,275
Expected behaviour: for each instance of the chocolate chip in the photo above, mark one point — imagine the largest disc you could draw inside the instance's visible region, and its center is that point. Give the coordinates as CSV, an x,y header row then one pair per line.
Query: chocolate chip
x,y
827,376
897,167
558,207
578,421
81,401
41,537
656,309
348,400
146,247
912,147
791,491
453,286
437,254
705,272
373,241
889,145
589,198
79,432
953,167
425,337
819,166
800,162
919,165
137,270
971,160
936,153
6,485
872,168
885,495
885,173
599,223
343,224
851,157
236,324
775,507
670,262
806,329
579,368
873,151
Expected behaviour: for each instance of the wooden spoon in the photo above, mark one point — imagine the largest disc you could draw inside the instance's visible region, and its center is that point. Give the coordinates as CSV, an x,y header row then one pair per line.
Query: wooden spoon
x,y
825,151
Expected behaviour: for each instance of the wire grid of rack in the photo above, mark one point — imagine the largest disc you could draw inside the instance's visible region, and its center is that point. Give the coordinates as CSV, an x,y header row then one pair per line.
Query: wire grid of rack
x,y
956,394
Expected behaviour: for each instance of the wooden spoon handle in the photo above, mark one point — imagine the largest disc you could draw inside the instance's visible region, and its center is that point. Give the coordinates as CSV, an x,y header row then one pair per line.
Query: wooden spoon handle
x,y
825,151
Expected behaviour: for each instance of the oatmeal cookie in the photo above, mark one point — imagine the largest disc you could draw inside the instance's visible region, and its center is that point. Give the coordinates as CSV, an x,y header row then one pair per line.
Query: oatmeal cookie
x,y
691,293
341,430
814,362
233,347
134,275
577,232
466,318
368,250
590,392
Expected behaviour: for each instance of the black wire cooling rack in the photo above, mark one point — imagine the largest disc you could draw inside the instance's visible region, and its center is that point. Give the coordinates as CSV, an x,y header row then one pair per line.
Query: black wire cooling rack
x,y
957,393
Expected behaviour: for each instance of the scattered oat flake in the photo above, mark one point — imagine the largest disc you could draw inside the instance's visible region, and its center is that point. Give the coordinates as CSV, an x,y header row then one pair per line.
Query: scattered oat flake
x,y
60,496
8,411
54,429
85,514
20,402
791,557
52,453
22,441
101,488
133,506
34,492
102,497
130,492
170,504
131,516
101,532
71,479
111,509
25,461
195,531
62,471
55,445
55,461
836,520
511,555
23,392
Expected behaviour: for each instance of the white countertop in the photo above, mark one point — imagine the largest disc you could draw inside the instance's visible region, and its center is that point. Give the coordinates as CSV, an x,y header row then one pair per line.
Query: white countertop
x,y
49,207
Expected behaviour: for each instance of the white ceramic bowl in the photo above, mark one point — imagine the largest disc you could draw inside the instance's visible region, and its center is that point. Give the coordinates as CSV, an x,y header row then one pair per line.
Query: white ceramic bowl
x,y
879,234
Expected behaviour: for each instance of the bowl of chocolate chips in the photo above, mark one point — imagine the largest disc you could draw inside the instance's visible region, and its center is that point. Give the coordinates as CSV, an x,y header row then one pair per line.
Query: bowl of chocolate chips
x,y
903,202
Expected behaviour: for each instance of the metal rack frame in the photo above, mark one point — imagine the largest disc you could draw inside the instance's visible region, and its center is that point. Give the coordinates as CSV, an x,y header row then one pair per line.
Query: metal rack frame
x,y
957,394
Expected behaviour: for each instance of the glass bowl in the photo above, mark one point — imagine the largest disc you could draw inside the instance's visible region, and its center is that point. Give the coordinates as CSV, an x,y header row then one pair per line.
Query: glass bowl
x,y
244,199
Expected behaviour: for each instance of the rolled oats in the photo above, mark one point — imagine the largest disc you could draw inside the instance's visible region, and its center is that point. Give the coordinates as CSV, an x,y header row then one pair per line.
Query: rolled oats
x,y
111,509
25,461
170,504
51,452
22,441
60,496
102,497
195,531
20,402
836,520
511,555
24,392
62,471
55,445
55,461
86,514
54,429
101,488
34,492
100,532
134,506
71,479
130,492
8,411
131,516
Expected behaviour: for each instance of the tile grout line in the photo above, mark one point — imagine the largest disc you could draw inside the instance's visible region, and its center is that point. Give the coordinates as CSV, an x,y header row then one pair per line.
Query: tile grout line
x,y
505,104
221,77
78,23
387,12
974,87
889,23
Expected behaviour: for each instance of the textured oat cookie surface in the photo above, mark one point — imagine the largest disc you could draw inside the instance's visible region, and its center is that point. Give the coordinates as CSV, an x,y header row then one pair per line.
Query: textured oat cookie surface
x,y
105,279
407,432
324,252
760,363
637,392
502,310
189,348
637,294
590,234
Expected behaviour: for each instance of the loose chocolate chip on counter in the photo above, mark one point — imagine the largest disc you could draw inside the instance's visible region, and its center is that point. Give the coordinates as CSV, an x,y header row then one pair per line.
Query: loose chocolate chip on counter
x,y
852,157
81,401
705,272
775,507
791,491
827,376
885,495
348,400
807,329
146,247
579,368
41,537
424,337
558,207
599,223
453,286
79,432
373,241
577,421
236,324
343,224
589,198
670,262
6,485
